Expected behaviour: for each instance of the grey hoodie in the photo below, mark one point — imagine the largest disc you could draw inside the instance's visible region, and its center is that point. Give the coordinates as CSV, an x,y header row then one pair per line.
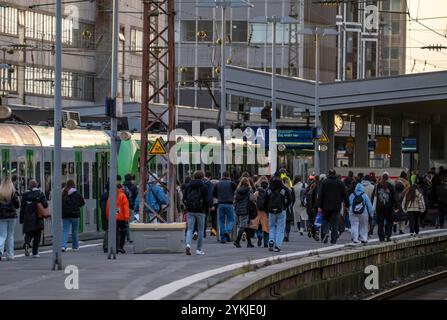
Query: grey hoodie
x,y
369,188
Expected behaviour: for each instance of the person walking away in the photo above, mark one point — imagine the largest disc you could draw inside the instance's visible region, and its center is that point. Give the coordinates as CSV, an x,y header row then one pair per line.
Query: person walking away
x,y
400,216
261,222
413,203
242,206
332,194
384,202
360,209
131,191
72,202
299,207
224,192
122,217
196,203
105,224
32,224
9,203
310,196
278,198
289,209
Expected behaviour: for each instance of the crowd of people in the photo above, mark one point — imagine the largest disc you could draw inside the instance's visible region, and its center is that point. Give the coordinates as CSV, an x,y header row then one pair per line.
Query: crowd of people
x,y
244,208
322,207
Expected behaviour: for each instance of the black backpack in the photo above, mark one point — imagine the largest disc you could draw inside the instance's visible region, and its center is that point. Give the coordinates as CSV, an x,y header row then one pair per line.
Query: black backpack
x,y
252,210
358,205
129,194
69,205
276,201
194,201
260,200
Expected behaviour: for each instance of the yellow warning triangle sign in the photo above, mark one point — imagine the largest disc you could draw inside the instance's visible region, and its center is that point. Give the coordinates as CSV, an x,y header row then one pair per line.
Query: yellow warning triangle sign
x,y
157,148
324,138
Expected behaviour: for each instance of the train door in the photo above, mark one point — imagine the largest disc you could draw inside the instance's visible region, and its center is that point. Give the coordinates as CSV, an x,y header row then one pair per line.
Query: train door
x,y
84,169
100,178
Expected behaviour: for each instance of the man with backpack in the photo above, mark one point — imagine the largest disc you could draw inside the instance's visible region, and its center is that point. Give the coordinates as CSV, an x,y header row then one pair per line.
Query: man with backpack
x,y
196,203
278,198
360,209
332,194
224,192
384,203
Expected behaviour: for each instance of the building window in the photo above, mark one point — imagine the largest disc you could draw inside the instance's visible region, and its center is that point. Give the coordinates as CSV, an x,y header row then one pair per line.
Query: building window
x,y
84,36
395,5
188,30
40,81
135,90
136,41
262,33
8,20
43,27
206,28
204,73
395,53
395,27
8,79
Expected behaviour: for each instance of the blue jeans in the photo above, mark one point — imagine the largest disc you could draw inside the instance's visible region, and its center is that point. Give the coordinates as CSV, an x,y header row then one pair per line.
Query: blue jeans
x,y
192,218
277,225
74,223
226,210
7,236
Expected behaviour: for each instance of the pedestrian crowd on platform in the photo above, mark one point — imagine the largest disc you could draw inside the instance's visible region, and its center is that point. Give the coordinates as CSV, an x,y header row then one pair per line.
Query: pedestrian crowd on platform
x,y
322,207
259,210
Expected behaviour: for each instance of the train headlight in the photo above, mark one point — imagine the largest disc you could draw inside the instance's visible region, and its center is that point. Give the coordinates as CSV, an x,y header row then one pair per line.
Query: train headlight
x,y
5,112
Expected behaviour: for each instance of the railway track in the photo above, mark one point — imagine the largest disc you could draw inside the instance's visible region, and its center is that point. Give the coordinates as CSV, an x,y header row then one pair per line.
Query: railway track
x,y
432,287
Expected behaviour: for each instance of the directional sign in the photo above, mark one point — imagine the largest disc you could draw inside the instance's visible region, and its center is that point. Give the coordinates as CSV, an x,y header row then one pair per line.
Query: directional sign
x,y
157,148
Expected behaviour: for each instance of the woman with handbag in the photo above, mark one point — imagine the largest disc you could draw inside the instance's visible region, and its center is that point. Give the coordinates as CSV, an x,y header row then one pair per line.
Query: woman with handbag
x,y
9,203
32,214
413,203
289,210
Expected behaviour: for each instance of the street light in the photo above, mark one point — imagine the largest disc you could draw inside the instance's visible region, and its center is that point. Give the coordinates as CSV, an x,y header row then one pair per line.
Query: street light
x,y
317,31
223,4
274,20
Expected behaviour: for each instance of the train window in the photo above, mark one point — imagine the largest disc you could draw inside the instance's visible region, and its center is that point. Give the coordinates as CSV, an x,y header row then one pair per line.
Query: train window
x,y
71,168
15,173
86,176
47,182
37,177
22,182
5,168
64,169
95,181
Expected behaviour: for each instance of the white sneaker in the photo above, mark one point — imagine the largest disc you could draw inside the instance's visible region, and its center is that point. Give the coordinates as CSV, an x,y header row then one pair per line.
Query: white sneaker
x,y
200,252
36,255
75,250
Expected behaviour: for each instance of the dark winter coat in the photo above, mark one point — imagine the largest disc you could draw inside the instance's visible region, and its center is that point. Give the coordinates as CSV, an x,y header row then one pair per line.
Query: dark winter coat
x,y
71,205
224,191
241,199
28,210
8,210
331,194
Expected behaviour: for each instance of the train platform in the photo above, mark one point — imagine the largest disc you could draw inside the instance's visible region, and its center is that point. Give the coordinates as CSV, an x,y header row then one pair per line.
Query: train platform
x,y
139,276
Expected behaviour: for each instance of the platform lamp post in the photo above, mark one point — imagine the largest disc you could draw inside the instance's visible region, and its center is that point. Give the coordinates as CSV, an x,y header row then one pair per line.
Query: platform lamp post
x,y
223,4
274,20
318,32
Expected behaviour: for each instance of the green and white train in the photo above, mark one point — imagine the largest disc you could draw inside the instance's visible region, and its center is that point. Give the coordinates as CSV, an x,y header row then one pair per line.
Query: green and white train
x,y
27,153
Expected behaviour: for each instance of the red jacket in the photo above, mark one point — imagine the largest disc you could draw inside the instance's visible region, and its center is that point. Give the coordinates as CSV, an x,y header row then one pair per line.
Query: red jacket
x,y
122,204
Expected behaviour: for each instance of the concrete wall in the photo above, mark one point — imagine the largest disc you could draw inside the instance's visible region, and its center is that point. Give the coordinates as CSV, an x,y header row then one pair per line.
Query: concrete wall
x,y
336,275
